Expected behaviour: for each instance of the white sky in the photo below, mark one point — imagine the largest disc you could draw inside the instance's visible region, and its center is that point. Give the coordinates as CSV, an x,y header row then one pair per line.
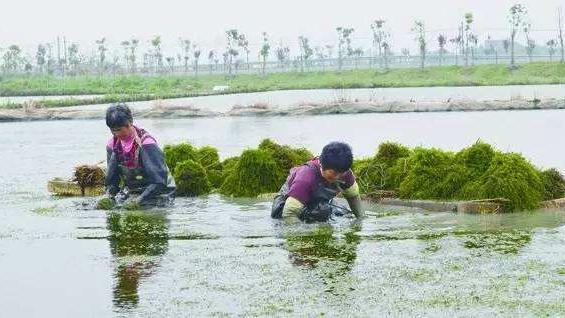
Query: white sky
x,y
28,22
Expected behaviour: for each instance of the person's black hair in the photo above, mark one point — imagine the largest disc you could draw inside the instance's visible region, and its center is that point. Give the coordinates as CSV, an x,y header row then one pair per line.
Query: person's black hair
x,y
118,116
336,156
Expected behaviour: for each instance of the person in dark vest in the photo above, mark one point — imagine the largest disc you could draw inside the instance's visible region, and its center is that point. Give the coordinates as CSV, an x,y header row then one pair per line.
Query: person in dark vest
x,y
136,164
309,189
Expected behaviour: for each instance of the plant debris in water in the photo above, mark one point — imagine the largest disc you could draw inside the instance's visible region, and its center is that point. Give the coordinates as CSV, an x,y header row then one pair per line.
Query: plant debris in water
x,y
89,176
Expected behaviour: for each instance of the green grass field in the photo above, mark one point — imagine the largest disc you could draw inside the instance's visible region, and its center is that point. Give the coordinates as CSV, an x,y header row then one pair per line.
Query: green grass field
x,y
139,87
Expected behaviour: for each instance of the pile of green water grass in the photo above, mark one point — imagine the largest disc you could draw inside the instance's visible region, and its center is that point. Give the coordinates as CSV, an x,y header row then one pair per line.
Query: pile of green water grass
x,y
198,171
476,172
140,87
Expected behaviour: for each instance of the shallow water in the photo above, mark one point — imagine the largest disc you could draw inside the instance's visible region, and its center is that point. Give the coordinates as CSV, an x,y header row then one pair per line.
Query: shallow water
x,y
214,256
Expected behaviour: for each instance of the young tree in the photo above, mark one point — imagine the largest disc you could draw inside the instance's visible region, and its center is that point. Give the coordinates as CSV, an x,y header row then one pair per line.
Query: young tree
x,y
133,55
386,51
506,45
458,43
530,43
491,50
420,30
125,45
186,45
41,58
171,63
196,53
244,44
50,59
344,44
441,40
330,51
211,58
551,46
356,53
12,59
73,58
379,35
233,40
468,39
306,51
320,56
282,53
406,53
516,18
157,54
264,53
101,53
560,34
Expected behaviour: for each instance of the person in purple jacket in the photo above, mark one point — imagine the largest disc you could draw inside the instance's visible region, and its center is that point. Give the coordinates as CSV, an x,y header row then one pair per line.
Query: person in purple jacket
x,y
136,164
310,189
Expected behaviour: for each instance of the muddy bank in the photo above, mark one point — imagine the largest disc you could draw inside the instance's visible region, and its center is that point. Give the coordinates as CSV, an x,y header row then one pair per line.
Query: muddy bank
x,y
171,109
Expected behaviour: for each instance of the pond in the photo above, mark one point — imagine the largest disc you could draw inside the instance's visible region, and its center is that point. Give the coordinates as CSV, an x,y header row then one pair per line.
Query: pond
x,y
224,257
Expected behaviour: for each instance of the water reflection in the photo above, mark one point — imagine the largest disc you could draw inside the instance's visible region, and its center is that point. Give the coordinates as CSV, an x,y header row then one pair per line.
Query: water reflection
x,y
328,252
137,242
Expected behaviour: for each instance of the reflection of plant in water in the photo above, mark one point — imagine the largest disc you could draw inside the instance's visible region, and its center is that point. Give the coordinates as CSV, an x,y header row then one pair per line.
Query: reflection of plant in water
x,y
332,257
320,244
135,235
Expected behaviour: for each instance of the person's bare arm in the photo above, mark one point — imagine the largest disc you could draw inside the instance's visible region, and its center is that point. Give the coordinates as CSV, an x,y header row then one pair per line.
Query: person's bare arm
x,y
353,198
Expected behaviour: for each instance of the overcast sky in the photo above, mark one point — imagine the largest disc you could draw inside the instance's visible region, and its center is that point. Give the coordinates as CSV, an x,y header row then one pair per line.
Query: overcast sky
x,y
28,22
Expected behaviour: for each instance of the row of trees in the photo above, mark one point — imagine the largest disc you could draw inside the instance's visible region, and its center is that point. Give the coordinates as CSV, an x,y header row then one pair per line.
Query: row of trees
x,y
64,58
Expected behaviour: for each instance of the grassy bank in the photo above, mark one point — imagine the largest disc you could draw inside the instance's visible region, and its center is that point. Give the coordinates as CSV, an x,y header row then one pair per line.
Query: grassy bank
x,y
138,87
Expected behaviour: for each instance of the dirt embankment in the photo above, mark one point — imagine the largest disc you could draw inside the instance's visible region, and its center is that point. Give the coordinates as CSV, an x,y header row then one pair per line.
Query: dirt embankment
x,y
164,109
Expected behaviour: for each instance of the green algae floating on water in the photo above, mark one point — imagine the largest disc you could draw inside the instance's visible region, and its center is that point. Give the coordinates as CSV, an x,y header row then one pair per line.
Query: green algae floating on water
x,y
504,242
320,244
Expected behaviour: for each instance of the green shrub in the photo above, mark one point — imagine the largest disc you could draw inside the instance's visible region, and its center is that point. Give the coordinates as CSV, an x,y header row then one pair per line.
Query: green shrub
x,y
553,184
255,172
191,179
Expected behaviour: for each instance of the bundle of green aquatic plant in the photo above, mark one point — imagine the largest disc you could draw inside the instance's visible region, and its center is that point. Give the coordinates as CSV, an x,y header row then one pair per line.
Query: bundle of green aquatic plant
x,y
89,176
385,170
476,172
286,157
263,170
194,170
254,173
191,179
